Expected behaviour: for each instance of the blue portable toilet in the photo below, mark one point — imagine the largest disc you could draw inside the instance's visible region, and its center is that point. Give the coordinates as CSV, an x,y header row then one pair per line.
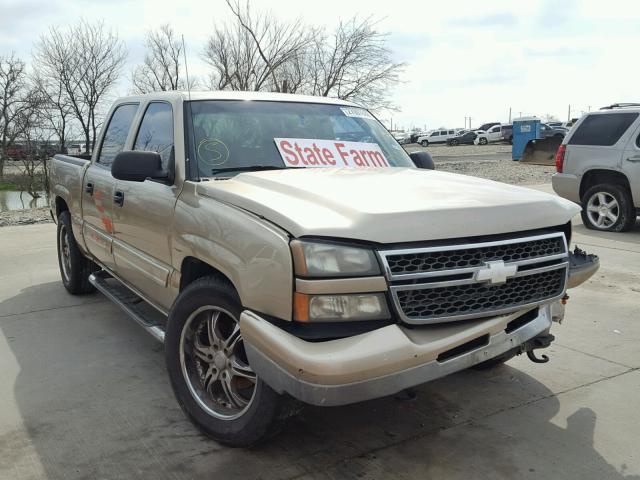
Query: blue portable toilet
x,y
524,130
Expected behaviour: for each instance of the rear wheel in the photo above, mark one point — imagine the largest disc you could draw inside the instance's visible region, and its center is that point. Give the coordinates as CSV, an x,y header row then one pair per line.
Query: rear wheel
x,y
209,370
75,268
608,207
424,143
483,141
454,142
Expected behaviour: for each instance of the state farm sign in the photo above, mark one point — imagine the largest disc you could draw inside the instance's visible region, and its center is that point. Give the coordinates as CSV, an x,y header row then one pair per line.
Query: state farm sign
x,y
305,152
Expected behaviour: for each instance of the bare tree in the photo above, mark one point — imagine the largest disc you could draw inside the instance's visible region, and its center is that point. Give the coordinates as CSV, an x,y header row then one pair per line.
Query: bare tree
x,y
14,102
249,53
162,67
86,60
355,64
259,52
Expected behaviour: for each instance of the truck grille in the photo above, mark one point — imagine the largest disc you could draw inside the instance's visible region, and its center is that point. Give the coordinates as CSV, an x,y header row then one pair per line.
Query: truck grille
x,y
431,261
458,282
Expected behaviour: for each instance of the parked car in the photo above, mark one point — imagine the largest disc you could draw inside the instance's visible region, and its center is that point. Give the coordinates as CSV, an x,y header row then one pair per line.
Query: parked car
x,y
464,138
507,133
547,131
486,126
267,277
437,136
598,165
494,134
555,124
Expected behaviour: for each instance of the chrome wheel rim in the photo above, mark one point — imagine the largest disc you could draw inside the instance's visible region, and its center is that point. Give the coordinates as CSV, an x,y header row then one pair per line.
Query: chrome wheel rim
x,y
214,363
603,210
64,251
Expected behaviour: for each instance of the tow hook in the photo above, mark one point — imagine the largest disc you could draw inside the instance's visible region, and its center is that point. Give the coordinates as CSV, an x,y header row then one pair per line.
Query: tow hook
x,y
541,341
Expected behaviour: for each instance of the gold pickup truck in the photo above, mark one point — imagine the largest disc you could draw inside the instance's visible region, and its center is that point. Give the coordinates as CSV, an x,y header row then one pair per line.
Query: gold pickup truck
x,y
287,246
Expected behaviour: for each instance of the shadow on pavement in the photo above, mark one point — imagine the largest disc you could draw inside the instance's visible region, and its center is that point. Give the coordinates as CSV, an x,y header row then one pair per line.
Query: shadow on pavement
x,y
91,399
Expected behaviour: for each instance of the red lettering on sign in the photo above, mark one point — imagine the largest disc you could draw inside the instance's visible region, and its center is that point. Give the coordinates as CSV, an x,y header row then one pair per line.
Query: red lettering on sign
x,y
328,156
291,155
344,155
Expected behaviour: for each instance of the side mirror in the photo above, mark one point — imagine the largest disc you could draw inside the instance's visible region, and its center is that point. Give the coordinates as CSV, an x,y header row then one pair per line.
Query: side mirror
x,y
137,166
422,160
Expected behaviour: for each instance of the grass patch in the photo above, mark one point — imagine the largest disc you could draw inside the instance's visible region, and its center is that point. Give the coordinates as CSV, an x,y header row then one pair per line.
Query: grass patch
x,y
8,185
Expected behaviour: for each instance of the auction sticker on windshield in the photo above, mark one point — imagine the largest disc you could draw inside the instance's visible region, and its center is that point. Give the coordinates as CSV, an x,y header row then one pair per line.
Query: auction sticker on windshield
x,y
307,152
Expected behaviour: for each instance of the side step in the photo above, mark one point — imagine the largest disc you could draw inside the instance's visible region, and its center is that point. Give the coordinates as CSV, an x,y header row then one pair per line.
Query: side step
x,y
144,314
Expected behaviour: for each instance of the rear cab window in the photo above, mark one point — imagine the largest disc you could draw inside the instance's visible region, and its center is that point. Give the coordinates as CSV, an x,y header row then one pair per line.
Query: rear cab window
x,y
156,132
116,134
602,129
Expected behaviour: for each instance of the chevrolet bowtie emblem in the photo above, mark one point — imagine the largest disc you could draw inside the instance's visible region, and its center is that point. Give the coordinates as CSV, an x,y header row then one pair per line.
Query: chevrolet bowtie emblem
x,y
495,272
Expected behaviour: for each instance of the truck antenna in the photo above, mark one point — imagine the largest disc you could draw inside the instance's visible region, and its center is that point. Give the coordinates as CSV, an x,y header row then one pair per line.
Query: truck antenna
x,y
186,68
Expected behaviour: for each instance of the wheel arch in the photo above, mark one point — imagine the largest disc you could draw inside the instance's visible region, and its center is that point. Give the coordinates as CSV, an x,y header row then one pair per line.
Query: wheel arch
x,y
598,176
60,205
193,268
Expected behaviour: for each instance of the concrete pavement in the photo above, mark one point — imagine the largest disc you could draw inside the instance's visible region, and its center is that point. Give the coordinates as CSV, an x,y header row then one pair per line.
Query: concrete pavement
x,y
84,395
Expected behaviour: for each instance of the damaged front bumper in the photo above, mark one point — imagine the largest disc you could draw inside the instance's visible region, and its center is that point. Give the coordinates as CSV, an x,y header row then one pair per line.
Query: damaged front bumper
x,y
582,266
381,362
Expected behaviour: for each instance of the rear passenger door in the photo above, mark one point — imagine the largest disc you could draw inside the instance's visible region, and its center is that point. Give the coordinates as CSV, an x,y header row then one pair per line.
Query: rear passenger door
x,y
99,186
631,163
144,221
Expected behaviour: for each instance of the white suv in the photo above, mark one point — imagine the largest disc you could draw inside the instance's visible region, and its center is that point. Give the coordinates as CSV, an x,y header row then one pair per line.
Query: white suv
x,y
598,166
493,134
437,136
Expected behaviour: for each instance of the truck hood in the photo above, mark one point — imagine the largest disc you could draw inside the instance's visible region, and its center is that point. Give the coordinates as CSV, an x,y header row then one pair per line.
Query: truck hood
x,y
388,205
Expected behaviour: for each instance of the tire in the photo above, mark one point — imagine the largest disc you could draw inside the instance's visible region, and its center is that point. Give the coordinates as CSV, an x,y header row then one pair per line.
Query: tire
x,y
75,268
496,361
608,207
483,141
424,143
237,415
454,142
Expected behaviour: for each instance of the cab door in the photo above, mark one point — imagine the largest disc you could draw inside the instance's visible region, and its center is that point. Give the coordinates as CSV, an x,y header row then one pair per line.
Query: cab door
x,y
143,220
99,187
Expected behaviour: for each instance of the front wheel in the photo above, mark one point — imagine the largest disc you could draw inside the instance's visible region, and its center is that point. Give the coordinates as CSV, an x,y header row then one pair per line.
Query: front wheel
x,y
608,207
424,143
209,370
483,141
454,142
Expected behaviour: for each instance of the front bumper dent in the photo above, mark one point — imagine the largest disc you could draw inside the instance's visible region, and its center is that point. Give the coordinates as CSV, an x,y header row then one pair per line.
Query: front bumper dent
x,y
378,363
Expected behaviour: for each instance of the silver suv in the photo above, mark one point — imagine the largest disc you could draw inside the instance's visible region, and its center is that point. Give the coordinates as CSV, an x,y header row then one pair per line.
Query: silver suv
x,y
598,166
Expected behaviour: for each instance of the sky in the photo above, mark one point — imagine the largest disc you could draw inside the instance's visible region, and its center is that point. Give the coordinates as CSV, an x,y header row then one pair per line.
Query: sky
x,y
464,59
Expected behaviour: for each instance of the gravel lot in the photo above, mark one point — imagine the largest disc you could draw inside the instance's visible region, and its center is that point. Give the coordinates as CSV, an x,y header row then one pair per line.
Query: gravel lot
x,y
492,162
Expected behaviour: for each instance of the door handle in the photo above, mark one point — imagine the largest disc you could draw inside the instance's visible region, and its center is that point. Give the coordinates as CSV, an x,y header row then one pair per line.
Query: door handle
x,y
634,159
118,198
89,188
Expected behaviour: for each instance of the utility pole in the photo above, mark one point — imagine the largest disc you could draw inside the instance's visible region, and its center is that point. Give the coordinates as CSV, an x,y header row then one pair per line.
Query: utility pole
x,y
569,113
469,123
509,114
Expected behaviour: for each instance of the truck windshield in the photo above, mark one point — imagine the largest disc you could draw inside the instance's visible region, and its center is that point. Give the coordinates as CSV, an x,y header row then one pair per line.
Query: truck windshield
x,y
230,136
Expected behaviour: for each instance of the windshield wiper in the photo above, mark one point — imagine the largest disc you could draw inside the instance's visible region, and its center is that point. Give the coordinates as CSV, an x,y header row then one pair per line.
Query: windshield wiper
x,y
251,168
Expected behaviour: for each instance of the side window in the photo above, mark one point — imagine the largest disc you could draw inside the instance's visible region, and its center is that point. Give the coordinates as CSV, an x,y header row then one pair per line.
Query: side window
x,y
603,129
451,132
156,131
435,134
116,133
443,132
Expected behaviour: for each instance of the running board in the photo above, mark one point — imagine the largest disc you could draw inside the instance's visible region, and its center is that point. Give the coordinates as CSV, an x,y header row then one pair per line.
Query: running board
x,y
137,308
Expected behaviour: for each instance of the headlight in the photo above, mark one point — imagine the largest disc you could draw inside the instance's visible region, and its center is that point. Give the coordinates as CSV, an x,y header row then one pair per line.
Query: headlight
x,y
336,308
332,260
